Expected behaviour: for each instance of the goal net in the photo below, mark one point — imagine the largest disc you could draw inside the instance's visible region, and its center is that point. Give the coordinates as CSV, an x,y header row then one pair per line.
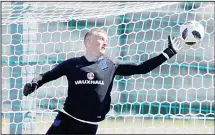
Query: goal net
x,y
177,97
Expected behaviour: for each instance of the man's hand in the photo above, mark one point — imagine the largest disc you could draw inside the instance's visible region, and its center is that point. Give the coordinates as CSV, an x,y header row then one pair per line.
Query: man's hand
x,y
31,87
174,46
175,43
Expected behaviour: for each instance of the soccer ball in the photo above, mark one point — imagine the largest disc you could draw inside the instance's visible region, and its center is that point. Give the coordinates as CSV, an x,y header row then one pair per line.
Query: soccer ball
x,y
192,33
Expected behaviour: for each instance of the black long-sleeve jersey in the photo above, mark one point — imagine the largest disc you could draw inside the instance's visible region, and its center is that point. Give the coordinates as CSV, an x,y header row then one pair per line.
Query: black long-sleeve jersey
x,y
90,83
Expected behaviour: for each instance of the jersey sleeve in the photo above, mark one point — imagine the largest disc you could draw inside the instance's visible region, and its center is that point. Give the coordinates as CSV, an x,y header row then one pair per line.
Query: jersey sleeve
x,y
127,69
53,74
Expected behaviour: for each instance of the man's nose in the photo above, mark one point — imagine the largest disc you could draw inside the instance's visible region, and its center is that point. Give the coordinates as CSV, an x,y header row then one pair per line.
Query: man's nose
x,y
105,43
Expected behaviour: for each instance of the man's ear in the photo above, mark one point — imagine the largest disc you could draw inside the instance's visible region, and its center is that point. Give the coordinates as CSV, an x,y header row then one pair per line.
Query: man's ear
x,y
89,39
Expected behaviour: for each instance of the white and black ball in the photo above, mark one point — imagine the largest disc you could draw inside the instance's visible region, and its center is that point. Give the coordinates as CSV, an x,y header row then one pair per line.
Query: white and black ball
x,y
192,32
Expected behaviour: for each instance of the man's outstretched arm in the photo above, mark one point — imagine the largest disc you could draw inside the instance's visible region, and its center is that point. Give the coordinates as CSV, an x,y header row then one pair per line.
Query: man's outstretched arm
x,y
41,79
174,46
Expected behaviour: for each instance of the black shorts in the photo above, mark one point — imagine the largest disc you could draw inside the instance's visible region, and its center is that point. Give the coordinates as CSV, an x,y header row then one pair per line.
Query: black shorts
x,y
64,124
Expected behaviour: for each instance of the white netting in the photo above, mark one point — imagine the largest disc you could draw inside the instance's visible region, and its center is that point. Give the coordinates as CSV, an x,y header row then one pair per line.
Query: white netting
x,y
176,97
64,11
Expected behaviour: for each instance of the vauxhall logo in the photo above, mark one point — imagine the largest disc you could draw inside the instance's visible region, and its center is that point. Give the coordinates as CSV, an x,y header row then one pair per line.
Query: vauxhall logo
x,y
90,77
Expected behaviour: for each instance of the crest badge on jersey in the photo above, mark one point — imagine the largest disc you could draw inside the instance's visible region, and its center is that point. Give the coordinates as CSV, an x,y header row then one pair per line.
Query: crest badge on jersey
x,y
102,64
90,76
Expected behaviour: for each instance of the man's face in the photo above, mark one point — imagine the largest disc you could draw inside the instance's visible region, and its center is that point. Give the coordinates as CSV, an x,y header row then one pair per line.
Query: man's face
x,y
98,43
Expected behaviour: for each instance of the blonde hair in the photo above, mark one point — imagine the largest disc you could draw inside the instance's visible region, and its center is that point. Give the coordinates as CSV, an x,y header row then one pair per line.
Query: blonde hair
x,y
93,32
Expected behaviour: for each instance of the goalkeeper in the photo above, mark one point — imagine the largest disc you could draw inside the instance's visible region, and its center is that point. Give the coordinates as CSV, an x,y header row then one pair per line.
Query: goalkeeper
x,y
90,80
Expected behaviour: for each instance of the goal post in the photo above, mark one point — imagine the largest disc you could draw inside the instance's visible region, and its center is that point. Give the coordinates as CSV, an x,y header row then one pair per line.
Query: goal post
x,y
178,96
